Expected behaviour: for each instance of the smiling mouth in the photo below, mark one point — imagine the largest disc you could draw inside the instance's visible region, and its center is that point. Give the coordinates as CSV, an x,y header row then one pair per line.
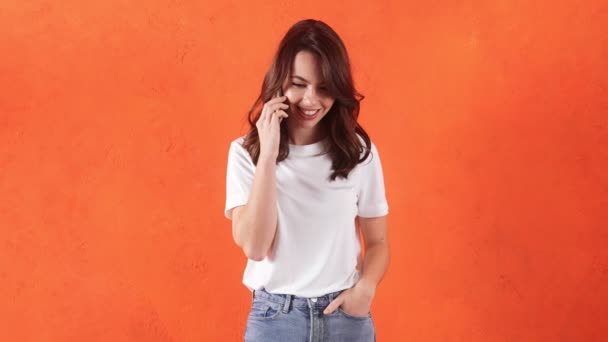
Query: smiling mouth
x,y
309,112
307,115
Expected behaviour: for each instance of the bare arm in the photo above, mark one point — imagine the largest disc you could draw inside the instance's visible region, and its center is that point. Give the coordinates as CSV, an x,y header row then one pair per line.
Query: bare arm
x,y
254,224
358,299
377,253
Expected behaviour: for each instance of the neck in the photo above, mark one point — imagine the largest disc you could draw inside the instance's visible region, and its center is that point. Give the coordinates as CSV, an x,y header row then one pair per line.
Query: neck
x,y
300,136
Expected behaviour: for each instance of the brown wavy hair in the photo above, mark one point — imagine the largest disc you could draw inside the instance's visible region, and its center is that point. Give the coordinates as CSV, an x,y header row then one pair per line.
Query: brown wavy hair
x,y
348,143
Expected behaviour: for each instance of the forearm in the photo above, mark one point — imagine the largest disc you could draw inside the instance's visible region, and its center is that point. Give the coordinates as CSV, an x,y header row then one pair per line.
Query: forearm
x,y
375,264
257,223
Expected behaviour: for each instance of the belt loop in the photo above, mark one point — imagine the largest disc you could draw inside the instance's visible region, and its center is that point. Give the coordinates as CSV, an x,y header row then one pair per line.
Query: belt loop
x,y
287,303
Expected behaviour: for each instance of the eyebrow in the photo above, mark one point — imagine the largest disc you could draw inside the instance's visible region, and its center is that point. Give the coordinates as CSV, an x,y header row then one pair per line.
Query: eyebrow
x,y
301,78
305,80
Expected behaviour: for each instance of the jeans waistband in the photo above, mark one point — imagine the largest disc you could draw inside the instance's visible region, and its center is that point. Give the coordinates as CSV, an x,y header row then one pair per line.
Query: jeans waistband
x,y
288,300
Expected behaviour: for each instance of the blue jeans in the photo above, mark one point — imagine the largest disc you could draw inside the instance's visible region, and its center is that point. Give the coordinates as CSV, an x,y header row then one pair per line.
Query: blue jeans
x,y
287,318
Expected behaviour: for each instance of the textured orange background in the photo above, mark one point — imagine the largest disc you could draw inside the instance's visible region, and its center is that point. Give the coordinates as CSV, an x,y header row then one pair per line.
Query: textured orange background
x,y
116,117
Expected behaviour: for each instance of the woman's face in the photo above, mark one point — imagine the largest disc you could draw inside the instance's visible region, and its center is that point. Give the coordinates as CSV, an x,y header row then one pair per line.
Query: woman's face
x,y
306,92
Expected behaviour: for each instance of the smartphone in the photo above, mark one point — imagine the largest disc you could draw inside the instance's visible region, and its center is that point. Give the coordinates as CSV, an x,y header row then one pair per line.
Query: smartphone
x,y
286,102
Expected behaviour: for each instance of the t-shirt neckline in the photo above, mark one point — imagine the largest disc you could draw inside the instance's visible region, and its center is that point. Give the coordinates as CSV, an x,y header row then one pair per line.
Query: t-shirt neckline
x,y
309,149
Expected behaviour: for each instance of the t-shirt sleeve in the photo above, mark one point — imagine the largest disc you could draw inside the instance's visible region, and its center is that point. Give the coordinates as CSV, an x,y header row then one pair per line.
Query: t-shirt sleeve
x,y
372,198
239,177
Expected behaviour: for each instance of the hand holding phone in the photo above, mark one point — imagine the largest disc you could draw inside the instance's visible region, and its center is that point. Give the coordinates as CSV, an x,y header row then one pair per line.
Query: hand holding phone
x,y
268,125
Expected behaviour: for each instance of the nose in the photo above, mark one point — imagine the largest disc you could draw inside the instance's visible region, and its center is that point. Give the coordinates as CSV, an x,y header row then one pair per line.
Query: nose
x,y
310,96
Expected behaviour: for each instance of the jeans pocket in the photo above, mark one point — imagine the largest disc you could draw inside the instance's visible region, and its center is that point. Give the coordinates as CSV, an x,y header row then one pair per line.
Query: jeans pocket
x,y
263,309
347,315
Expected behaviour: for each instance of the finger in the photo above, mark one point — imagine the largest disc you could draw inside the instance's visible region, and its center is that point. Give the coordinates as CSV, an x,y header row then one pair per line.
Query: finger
x,y
278,106
263,119
278,111
269,109
269,116
264,114
333,305
281,114
276,100
277,116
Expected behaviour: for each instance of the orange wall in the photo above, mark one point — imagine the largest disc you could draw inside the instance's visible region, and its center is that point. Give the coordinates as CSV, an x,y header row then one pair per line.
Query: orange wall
x,y
115,120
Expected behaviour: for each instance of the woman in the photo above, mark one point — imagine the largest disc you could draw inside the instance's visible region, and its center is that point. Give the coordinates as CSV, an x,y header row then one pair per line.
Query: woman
x,y
296,185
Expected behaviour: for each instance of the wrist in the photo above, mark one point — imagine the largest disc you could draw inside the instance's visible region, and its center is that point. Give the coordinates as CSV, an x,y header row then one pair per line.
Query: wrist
x,y
366,286
267,159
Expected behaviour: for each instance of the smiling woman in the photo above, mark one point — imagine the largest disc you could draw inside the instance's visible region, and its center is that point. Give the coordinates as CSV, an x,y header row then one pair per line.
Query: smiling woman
x,y
312,55
308,98
297,184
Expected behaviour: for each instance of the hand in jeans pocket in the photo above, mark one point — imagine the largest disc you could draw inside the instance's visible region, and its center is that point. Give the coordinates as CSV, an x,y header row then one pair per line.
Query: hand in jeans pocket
x,y
354,302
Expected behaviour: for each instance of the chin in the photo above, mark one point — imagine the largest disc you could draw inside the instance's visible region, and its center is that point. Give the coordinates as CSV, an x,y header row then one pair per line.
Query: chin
x,y
310,124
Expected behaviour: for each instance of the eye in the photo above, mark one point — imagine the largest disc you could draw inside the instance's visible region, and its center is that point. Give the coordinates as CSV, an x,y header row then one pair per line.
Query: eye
x,y
299,85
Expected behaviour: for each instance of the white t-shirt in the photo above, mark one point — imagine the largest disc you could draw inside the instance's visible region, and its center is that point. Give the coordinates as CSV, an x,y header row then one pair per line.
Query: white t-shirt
x,y
316,249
